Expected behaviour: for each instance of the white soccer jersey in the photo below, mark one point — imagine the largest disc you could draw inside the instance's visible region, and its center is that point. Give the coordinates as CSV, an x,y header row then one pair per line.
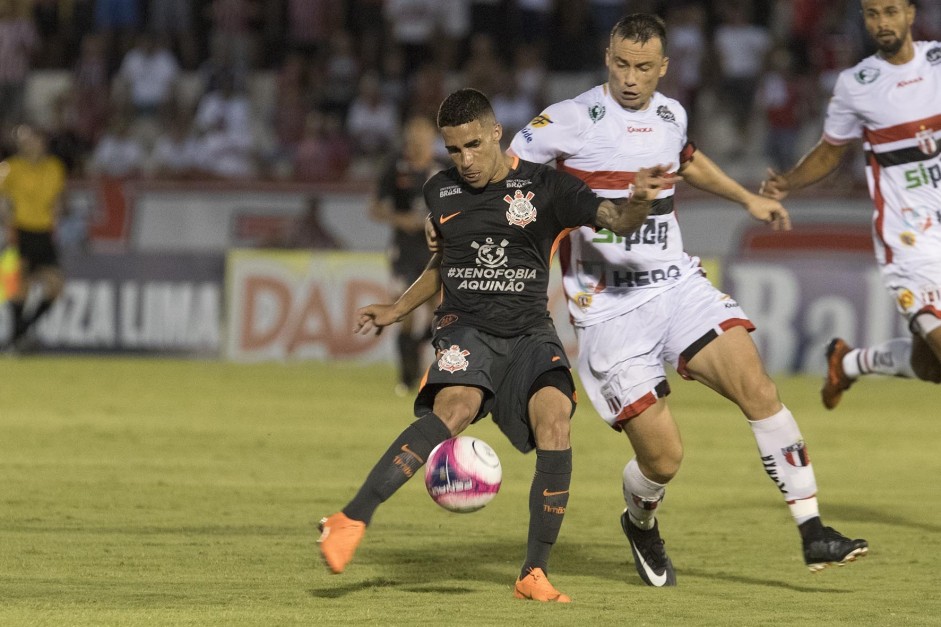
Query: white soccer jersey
x,y
896,110
594,138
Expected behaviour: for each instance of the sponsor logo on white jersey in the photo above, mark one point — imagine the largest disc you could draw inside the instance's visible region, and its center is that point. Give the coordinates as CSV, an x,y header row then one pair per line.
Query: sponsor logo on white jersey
x,y
866,75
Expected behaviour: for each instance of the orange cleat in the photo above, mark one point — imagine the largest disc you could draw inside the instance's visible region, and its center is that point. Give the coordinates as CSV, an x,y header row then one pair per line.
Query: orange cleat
x,y
536,587
836,382
339,537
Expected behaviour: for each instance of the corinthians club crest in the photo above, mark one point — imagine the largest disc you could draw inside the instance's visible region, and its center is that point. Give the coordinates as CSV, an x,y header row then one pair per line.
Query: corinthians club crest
x,y
453,359
521,211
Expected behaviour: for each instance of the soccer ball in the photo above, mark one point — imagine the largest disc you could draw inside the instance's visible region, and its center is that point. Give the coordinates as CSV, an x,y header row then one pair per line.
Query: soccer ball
x,y
463,474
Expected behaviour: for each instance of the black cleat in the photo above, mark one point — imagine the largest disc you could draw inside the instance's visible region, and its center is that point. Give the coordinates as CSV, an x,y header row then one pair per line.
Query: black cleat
x,y
832,548
650,558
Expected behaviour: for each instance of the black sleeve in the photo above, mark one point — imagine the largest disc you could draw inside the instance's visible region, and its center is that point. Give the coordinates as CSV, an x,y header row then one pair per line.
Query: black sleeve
x,y
575,203
430,192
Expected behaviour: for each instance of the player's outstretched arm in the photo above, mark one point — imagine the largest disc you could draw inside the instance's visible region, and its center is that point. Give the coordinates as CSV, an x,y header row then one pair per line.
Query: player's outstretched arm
x,y
815,165
373,318
703,173
626,215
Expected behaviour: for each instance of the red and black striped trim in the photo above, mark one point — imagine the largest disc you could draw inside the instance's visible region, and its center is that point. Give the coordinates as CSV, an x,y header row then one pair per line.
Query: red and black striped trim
x,y
640,405
693,349
901,156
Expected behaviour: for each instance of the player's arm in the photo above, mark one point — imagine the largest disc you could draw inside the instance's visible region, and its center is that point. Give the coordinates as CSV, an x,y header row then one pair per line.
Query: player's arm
x,y
375,317
626,215
814,166
703,173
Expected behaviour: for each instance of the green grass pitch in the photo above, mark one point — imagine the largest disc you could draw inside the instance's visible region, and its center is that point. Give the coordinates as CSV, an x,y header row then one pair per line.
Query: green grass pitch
x,y
143,492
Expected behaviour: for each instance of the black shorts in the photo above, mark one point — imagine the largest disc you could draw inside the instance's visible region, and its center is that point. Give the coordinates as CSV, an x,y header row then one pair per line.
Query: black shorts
x,y
504,368
37,250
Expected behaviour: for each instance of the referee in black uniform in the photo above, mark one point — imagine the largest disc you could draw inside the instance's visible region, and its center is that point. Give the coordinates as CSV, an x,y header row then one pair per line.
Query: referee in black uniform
x,y
498,220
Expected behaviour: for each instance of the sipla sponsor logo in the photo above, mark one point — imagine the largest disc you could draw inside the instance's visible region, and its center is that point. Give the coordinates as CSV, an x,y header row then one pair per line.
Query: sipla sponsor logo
x,y
653,231
923,175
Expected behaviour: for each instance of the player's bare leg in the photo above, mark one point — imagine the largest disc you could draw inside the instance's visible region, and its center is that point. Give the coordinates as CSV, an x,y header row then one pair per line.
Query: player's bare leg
x,y
730,365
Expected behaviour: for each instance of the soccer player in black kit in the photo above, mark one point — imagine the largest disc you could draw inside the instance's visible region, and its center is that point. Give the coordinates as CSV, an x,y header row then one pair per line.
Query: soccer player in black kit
x,y
399,202
498,220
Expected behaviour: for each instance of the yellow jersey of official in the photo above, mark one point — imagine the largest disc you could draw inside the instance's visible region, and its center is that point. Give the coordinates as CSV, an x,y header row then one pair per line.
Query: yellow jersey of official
x,y
33,189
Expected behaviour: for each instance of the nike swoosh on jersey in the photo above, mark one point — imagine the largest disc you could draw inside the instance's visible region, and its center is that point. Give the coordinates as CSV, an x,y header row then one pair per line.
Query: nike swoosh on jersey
x,y
655,579
444,219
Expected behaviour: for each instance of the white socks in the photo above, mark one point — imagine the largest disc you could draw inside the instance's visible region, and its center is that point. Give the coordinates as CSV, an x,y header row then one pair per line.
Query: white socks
x,y
642,495
786,461
893,358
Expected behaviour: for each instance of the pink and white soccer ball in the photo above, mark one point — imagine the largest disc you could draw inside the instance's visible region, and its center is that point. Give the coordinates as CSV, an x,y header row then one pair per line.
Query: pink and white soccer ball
x,y
463,474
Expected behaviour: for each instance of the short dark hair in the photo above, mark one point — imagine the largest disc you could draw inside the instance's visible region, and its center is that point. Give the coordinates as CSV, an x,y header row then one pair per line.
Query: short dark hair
x,y
463,106
641,27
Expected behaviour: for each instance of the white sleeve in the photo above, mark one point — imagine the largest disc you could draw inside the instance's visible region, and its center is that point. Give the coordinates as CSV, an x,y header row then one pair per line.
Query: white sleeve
x,y
842,124
558,132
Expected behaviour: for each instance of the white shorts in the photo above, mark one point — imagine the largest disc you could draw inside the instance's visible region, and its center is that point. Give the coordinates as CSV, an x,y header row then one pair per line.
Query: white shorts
x,y
916,290
621,361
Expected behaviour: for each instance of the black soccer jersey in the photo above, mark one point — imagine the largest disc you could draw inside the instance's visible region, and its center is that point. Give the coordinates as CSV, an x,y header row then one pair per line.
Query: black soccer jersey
x,y
497,243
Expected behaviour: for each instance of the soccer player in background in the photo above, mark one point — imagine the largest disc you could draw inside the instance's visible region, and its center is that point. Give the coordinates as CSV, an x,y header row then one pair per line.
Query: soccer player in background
x,y
398,202
641,301
498,220
32,183
891,102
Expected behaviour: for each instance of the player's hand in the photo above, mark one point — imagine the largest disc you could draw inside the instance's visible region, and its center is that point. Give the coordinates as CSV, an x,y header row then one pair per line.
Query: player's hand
x,y
431,236
769,211
373,318
775,186
649,181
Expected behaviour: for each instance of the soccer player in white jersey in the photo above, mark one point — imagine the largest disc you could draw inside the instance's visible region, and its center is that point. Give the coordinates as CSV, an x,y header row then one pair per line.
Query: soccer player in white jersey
x,y
891,101
639,302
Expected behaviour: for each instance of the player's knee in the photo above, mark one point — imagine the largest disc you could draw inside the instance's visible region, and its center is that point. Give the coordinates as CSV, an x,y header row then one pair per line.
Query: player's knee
x,y
662,465
457,407
552,431
759,398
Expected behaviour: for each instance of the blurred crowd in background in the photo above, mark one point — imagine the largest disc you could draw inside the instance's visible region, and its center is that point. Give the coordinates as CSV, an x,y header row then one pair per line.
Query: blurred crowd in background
x,y
317,90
